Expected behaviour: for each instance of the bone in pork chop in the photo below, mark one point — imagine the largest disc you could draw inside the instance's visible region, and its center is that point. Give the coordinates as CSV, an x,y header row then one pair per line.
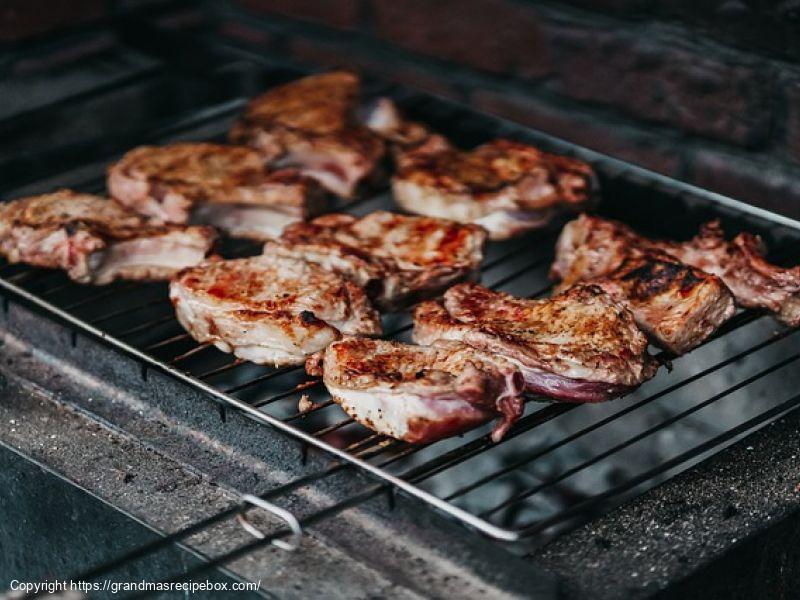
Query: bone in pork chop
x,y
680,306
311,124
270,309
396,258
505,186
228,187
96,240
578,346
420,394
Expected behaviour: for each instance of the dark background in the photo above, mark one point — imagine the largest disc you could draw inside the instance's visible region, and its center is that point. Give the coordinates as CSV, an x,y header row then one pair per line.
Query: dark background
x,y
705,91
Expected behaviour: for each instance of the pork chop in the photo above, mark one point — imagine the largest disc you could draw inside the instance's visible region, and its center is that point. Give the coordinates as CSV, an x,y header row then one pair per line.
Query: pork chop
x,y
228,187
396,258
420,394
680,306
270,309
96,240
311,124
578,346
741,264
505,186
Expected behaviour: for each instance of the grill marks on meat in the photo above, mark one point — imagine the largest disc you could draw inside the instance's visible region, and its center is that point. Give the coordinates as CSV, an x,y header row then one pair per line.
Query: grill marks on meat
x,y
677,304
505,186
740,263
96,240
396,258
311,124
270,309
577,346
420,394
226,186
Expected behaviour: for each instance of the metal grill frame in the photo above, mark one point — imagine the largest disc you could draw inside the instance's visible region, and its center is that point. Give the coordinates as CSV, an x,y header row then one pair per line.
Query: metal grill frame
x,y
608,166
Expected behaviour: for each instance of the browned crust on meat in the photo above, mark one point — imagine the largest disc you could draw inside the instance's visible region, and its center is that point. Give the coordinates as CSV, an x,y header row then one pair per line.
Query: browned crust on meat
x,y
240,282
678,305
318,104
592,247
73,211
515,318
483,172
646,279
165,181
246,288
101,217
319,109
63,229
458,387
581,330
741,263
366,238
396,257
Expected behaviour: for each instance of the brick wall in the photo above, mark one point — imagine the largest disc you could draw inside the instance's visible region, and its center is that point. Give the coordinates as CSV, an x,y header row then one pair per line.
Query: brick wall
x,y
26,21
706,91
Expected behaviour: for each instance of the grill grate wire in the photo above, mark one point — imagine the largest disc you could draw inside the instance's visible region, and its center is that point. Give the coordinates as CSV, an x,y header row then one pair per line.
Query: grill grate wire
x,y
464,452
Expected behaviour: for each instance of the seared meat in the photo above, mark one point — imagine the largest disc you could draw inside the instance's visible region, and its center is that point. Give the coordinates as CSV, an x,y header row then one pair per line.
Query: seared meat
x,y
420,394
677,304
396,258
740,263
311,124
270,309
591,247
96,240
225,186
505,186
578,346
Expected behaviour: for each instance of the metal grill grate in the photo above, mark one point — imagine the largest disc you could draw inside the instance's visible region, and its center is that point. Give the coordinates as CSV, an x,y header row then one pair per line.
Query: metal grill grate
x,y
739,380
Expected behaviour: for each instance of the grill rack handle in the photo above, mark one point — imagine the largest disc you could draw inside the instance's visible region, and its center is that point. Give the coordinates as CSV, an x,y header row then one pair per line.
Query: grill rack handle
x,y
290,545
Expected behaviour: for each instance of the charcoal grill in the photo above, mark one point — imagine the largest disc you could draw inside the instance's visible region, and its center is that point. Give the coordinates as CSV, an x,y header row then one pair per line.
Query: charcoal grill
x,y
563,473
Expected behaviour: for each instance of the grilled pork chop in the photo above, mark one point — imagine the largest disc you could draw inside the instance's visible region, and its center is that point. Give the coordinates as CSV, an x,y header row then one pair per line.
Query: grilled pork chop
x,y
96,240
225,186
677,304
396,258
740,263
270,309
311,124
578,346
420,394
504,186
